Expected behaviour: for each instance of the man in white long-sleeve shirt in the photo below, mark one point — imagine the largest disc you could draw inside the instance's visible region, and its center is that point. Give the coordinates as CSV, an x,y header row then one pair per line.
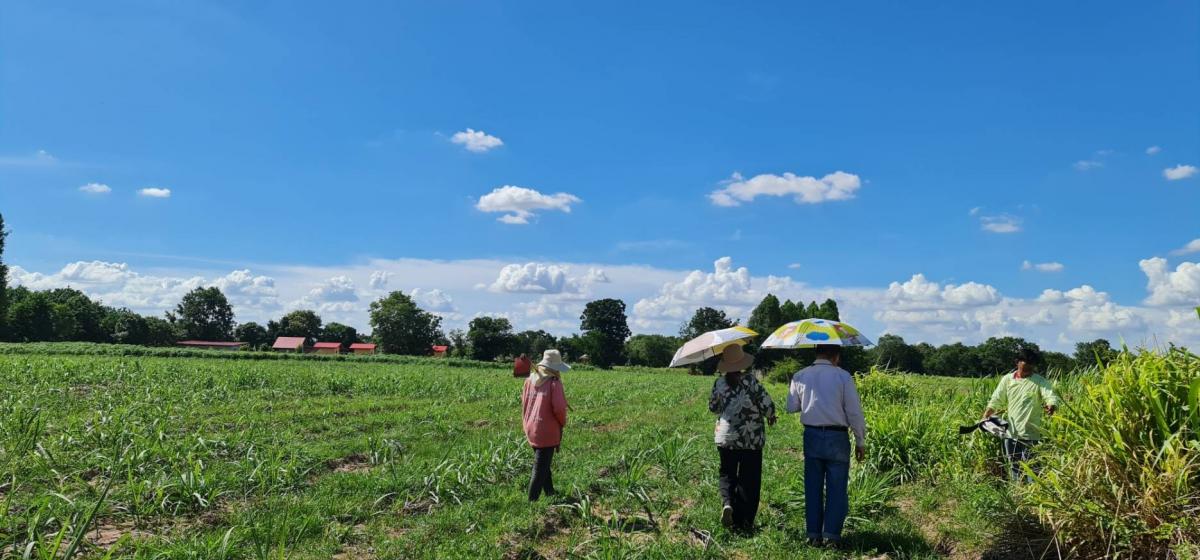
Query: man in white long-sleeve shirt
x,y
825,396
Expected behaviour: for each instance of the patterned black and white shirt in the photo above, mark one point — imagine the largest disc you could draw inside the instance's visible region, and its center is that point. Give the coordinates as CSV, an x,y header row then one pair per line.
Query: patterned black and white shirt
x,y
742,411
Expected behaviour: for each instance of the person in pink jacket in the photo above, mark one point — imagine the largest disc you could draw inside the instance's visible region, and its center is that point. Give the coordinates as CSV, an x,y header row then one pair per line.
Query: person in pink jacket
x,y
544,413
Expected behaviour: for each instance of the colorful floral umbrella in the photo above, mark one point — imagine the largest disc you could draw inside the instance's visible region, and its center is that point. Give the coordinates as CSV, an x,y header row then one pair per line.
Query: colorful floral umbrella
x,y
808,333
710,344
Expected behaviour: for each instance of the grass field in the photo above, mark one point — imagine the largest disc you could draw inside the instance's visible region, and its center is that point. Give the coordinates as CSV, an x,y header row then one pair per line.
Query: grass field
x,y
152,457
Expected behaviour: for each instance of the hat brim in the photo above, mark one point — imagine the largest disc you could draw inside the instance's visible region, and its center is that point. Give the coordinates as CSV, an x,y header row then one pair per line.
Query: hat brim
x,y
556,366
724,366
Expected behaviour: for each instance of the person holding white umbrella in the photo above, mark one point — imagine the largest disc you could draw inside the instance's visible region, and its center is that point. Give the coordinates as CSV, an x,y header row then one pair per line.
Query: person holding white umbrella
x,y
743,410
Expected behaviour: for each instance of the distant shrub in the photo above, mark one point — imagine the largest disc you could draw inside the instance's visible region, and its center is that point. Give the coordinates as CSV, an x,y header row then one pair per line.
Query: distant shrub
x,y
1121,478
881,385
783,370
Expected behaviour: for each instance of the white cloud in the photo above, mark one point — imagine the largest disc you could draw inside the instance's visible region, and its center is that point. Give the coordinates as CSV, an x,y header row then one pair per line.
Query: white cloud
x,y
539,278
1153,150
726,288
1179,172
379,280
838,185
155,192
476,140
1166,287
794,266
1193,246
1088,164
520,203
1043,267
1000,224
433,300
919,293
38,158
335,289
95,188
975,211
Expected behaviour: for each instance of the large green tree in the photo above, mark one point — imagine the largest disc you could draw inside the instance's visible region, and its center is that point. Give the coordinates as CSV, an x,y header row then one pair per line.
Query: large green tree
x,y
652,350
999,354
459,345
534,343
76,317
160,332
490,337
253,334
204,314
126,327
604,320
766,317
790,311
953,360
301,322
703,320
401,327
337,332
829,310
3,283
1098,351
892,352
30,316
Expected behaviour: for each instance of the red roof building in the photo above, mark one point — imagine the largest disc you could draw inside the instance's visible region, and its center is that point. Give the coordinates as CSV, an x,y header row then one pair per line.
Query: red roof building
x,y
327,347
289,344
439,351
362,348
211,344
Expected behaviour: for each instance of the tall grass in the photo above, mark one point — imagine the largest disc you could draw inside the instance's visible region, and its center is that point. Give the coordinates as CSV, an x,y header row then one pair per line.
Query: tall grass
x,y
1120,475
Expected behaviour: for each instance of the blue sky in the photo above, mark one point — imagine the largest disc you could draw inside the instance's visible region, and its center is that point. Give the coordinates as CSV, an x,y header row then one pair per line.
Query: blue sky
x,y
306,142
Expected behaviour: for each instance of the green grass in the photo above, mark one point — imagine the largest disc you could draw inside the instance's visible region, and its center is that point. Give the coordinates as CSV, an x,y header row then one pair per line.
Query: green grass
x,y
177,457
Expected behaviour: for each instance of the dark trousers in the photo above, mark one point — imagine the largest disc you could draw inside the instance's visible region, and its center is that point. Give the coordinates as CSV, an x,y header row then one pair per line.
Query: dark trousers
x,y
1018,451
740,483
541,481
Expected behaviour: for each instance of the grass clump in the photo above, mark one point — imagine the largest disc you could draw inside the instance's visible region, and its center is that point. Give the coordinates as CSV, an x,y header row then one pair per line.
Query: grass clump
x,y
1121,474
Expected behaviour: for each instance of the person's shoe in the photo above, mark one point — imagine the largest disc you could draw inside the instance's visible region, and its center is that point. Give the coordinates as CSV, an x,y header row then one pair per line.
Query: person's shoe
x,y
727,515
814,542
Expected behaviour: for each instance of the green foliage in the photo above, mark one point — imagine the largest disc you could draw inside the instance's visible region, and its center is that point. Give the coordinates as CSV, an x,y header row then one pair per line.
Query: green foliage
x,y
703,320
790,311
1121,474
3,283
998,355
253,334
204,314
605,321
651,350
891,352
783,370
403,328
766,316
301,322
1097,352
534,343
829,310
490,338
337,332
882,385
30,316
126,327
953,360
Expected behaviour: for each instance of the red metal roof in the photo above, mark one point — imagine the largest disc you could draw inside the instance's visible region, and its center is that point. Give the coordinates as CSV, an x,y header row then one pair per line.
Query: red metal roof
x,y
362,346
437,348
328,345
208,343
288,342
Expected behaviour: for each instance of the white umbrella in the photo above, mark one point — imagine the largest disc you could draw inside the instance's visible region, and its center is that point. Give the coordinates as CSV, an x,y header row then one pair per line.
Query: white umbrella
x,y
710,344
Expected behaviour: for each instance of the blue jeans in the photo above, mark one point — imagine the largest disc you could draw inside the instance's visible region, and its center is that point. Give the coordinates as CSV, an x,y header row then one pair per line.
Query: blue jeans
x,y
826,475
1017,452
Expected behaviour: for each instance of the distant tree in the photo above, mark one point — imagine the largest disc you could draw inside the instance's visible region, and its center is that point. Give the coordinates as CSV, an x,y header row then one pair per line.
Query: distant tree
x,y
791,312
572,347
126,327
1098,351
652,350
301,322
829,310
766,317
999,354
925,350
954,360
253,334
1057,362
30,316
204,314
401,327
3,283
337,332
490,337
605,321
703,320
160,332
459,345
855,359
76,317
892,352
534,343
813,311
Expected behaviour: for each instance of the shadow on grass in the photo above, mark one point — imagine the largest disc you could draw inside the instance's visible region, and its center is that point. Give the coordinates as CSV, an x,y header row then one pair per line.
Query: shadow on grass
x,y
1024,538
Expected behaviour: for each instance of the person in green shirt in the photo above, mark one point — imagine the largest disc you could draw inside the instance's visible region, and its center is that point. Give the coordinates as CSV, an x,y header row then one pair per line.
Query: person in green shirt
x,y
1027,398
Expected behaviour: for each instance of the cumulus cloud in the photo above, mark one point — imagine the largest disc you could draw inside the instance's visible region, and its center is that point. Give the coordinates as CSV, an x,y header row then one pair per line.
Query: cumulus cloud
x,y
519,203
838,185
1179,172
1166,287
532,278
1088,164
95,188
338,288
1000,224
725,287
155,192
1043,267
379,280
1193,246
476,140
1153,150
433,300
919,293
